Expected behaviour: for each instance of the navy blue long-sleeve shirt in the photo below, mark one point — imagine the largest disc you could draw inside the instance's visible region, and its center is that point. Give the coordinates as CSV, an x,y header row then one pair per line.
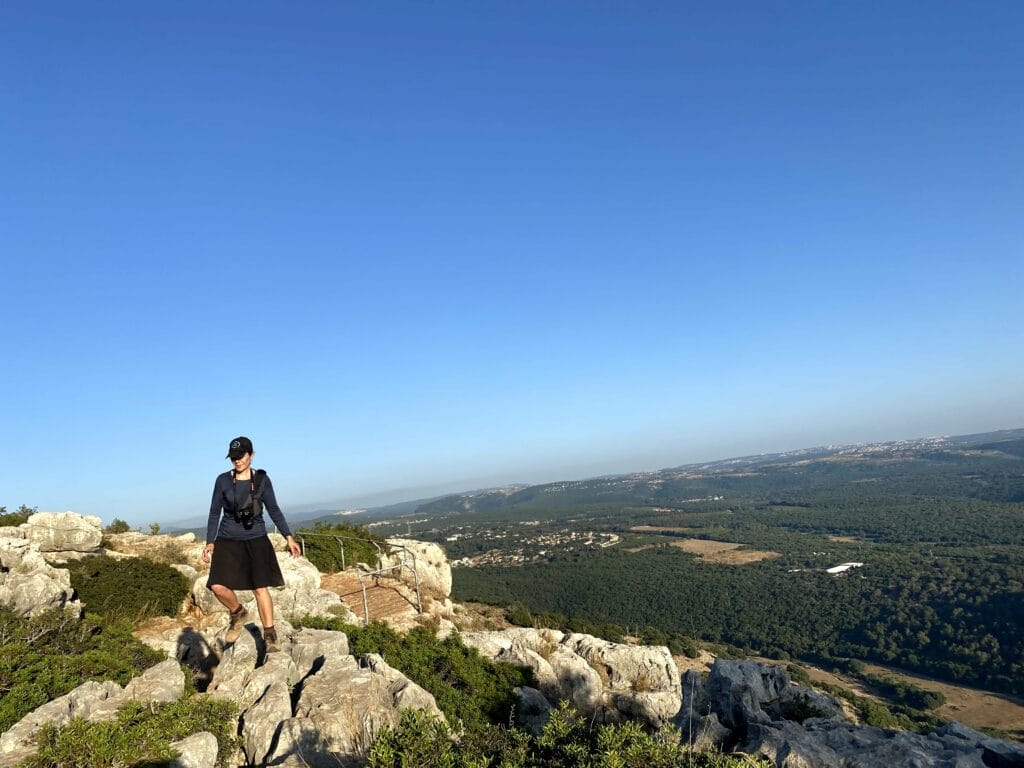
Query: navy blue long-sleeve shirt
x,y
228,496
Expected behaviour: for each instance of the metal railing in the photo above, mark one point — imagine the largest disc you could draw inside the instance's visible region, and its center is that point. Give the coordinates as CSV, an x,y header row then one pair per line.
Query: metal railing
x,y
406,556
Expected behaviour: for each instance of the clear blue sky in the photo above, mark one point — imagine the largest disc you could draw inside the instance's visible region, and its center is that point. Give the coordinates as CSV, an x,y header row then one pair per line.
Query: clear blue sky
x,y
413,246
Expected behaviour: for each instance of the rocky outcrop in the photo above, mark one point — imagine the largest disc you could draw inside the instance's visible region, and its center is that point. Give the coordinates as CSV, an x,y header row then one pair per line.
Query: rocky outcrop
x,y
431,566
28,584
340,702
64,532
92,702
183,549
608,681
197,751
755,708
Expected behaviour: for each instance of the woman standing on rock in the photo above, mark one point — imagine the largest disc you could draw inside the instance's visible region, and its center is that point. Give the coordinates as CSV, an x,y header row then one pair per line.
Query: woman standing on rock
x,y
243,557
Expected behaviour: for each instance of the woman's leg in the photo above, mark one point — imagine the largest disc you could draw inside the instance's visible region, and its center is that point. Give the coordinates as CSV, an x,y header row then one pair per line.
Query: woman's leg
x,y
227,597
265,605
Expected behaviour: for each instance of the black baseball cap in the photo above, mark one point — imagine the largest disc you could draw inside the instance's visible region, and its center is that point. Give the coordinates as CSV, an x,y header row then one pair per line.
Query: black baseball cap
x,y
239,447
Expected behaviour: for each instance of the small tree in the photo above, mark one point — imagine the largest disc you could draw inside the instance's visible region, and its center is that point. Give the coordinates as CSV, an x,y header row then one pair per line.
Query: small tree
x,y
117,525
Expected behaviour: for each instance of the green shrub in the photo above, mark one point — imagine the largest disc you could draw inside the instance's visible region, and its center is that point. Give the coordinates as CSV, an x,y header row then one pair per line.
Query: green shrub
x,y
117,525
16,518
141,735
683,645
48,655
467,686
134,588
567,741
518,614
326,553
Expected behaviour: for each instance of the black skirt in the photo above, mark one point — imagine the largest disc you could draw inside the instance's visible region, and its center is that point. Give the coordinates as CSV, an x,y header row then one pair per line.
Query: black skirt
x,y
247,564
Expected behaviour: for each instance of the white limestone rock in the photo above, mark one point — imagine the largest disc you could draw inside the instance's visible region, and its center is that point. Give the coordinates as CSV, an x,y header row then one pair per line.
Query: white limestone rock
x,y
197,751
64,532
160,684
310,648
405,694
28,584
431,565
339,713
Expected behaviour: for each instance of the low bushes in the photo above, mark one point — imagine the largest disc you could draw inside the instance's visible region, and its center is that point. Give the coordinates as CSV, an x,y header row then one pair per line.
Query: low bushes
x,y
48,655
141,735
134,588
325,552
567,741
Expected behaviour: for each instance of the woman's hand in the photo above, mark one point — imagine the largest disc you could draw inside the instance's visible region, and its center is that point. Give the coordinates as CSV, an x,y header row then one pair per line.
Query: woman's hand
x,y
207,551
293,547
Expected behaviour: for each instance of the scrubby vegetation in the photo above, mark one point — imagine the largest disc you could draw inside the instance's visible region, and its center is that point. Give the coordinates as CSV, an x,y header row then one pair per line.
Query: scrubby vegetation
x,y
467,687
48,655
325,551
21,515
117,525
133,588
567,741
141,735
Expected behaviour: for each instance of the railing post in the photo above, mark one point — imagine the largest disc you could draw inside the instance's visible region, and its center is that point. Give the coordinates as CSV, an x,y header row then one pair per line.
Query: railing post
x,y
366,603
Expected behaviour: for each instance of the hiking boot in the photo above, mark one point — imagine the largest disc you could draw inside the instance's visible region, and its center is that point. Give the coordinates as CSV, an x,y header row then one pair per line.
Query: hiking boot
x,y
237,622
270,640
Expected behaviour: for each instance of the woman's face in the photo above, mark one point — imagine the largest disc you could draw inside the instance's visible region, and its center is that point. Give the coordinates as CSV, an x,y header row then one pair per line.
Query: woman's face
x,y
242,463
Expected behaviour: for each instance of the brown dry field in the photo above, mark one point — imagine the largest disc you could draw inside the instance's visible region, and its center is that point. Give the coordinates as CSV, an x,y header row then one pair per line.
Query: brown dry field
x,y
641,548
659,529
978,709
726,552
845,539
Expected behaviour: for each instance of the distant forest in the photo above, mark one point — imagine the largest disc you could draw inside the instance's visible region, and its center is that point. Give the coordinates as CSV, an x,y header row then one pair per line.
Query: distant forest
x,y
939,529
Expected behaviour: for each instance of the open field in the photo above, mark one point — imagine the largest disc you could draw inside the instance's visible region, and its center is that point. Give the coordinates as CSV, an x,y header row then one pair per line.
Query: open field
x,y
725,552
660,529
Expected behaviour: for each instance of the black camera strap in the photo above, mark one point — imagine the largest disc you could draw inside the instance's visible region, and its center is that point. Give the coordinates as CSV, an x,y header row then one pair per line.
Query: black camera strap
x,y
255,505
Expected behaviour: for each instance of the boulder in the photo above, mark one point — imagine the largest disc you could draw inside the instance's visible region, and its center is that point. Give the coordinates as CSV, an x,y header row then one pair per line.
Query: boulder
x,y
310,648
28,584
337,717
430,563
264,703
533,709
741,690
609,681
405,694
197,751
162,683
64,532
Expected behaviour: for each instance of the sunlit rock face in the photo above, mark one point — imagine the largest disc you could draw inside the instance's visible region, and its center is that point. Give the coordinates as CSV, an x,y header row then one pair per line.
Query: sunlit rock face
x,y
28,584
64,532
